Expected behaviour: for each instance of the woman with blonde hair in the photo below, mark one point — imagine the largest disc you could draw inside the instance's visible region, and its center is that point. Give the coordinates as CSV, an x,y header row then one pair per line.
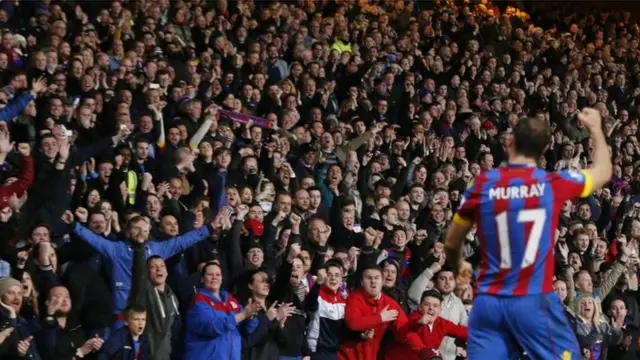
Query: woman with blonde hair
x,y
593,331
288,87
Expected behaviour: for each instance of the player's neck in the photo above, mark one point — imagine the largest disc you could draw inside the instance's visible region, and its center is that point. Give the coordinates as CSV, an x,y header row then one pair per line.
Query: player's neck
x,y
522,160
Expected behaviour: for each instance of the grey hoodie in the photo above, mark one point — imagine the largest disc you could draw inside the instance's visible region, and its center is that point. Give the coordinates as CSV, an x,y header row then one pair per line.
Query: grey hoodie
x,y
163,316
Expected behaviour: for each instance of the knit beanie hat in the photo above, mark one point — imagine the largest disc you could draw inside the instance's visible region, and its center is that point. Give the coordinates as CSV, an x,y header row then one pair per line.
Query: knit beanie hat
x,y
8,282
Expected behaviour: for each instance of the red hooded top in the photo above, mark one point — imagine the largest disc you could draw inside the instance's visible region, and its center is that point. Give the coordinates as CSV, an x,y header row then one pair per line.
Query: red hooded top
x,y
418,337
362,313
25,179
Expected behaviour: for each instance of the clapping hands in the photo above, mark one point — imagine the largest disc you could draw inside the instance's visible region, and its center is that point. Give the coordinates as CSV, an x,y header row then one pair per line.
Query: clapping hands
x,y
23,346
93,344
251,309
223,219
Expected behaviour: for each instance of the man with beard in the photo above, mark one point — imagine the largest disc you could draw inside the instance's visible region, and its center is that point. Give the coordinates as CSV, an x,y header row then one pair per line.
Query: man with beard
x,y
453,311
262,343
164,325
21,339
137,237
85,275
369,313
61,333
301,201
583,212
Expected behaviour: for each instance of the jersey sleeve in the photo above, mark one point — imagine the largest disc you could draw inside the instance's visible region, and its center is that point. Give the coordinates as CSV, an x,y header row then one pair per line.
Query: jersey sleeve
x,y
571,184
468,205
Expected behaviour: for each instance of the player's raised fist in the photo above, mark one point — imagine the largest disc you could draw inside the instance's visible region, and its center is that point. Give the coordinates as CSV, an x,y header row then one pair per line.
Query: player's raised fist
x,y
590,118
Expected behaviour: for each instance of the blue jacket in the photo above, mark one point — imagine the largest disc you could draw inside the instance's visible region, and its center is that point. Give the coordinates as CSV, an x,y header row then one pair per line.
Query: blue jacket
x,y
119,256
120,346
211,331
15,107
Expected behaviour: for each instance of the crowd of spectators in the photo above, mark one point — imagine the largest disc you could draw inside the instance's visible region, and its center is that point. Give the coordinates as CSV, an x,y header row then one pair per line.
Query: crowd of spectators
x,y
272,180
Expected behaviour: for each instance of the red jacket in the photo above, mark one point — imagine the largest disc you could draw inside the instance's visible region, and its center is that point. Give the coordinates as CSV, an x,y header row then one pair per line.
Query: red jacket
x,y
25,179
418,337
362,313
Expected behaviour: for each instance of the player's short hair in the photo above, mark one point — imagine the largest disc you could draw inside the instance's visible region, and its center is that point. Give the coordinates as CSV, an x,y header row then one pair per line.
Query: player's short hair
x,y
531,136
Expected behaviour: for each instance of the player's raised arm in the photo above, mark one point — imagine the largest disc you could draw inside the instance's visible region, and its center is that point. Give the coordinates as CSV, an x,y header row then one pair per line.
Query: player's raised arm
x,y
600,171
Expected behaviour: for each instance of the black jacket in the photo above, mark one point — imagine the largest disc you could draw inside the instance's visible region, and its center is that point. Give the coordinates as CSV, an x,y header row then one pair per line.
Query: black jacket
x,y
292,338
56,343
91,296
628,349
22,329
262,343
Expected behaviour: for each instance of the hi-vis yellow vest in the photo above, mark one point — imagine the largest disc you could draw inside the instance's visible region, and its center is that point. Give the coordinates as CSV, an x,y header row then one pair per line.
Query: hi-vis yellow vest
x,y
341,46
132,186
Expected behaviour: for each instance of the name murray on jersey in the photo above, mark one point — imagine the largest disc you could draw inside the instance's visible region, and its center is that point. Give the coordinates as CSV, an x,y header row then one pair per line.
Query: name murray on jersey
x,y
516,192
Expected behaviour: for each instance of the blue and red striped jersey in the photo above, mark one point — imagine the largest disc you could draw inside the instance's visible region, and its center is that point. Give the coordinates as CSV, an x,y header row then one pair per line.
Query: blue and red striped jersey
x,y
516,211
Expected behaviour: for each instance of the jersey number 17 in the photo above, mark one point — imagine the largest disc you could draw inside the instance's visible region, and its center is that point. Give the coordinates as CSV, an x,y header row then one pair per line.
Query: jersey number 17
x,y
535,216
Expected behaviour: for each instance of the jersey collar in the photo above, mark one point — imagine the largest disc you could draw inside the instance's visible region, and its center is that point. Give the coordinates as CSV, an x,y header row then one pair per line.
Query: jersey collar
x,y
518,166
